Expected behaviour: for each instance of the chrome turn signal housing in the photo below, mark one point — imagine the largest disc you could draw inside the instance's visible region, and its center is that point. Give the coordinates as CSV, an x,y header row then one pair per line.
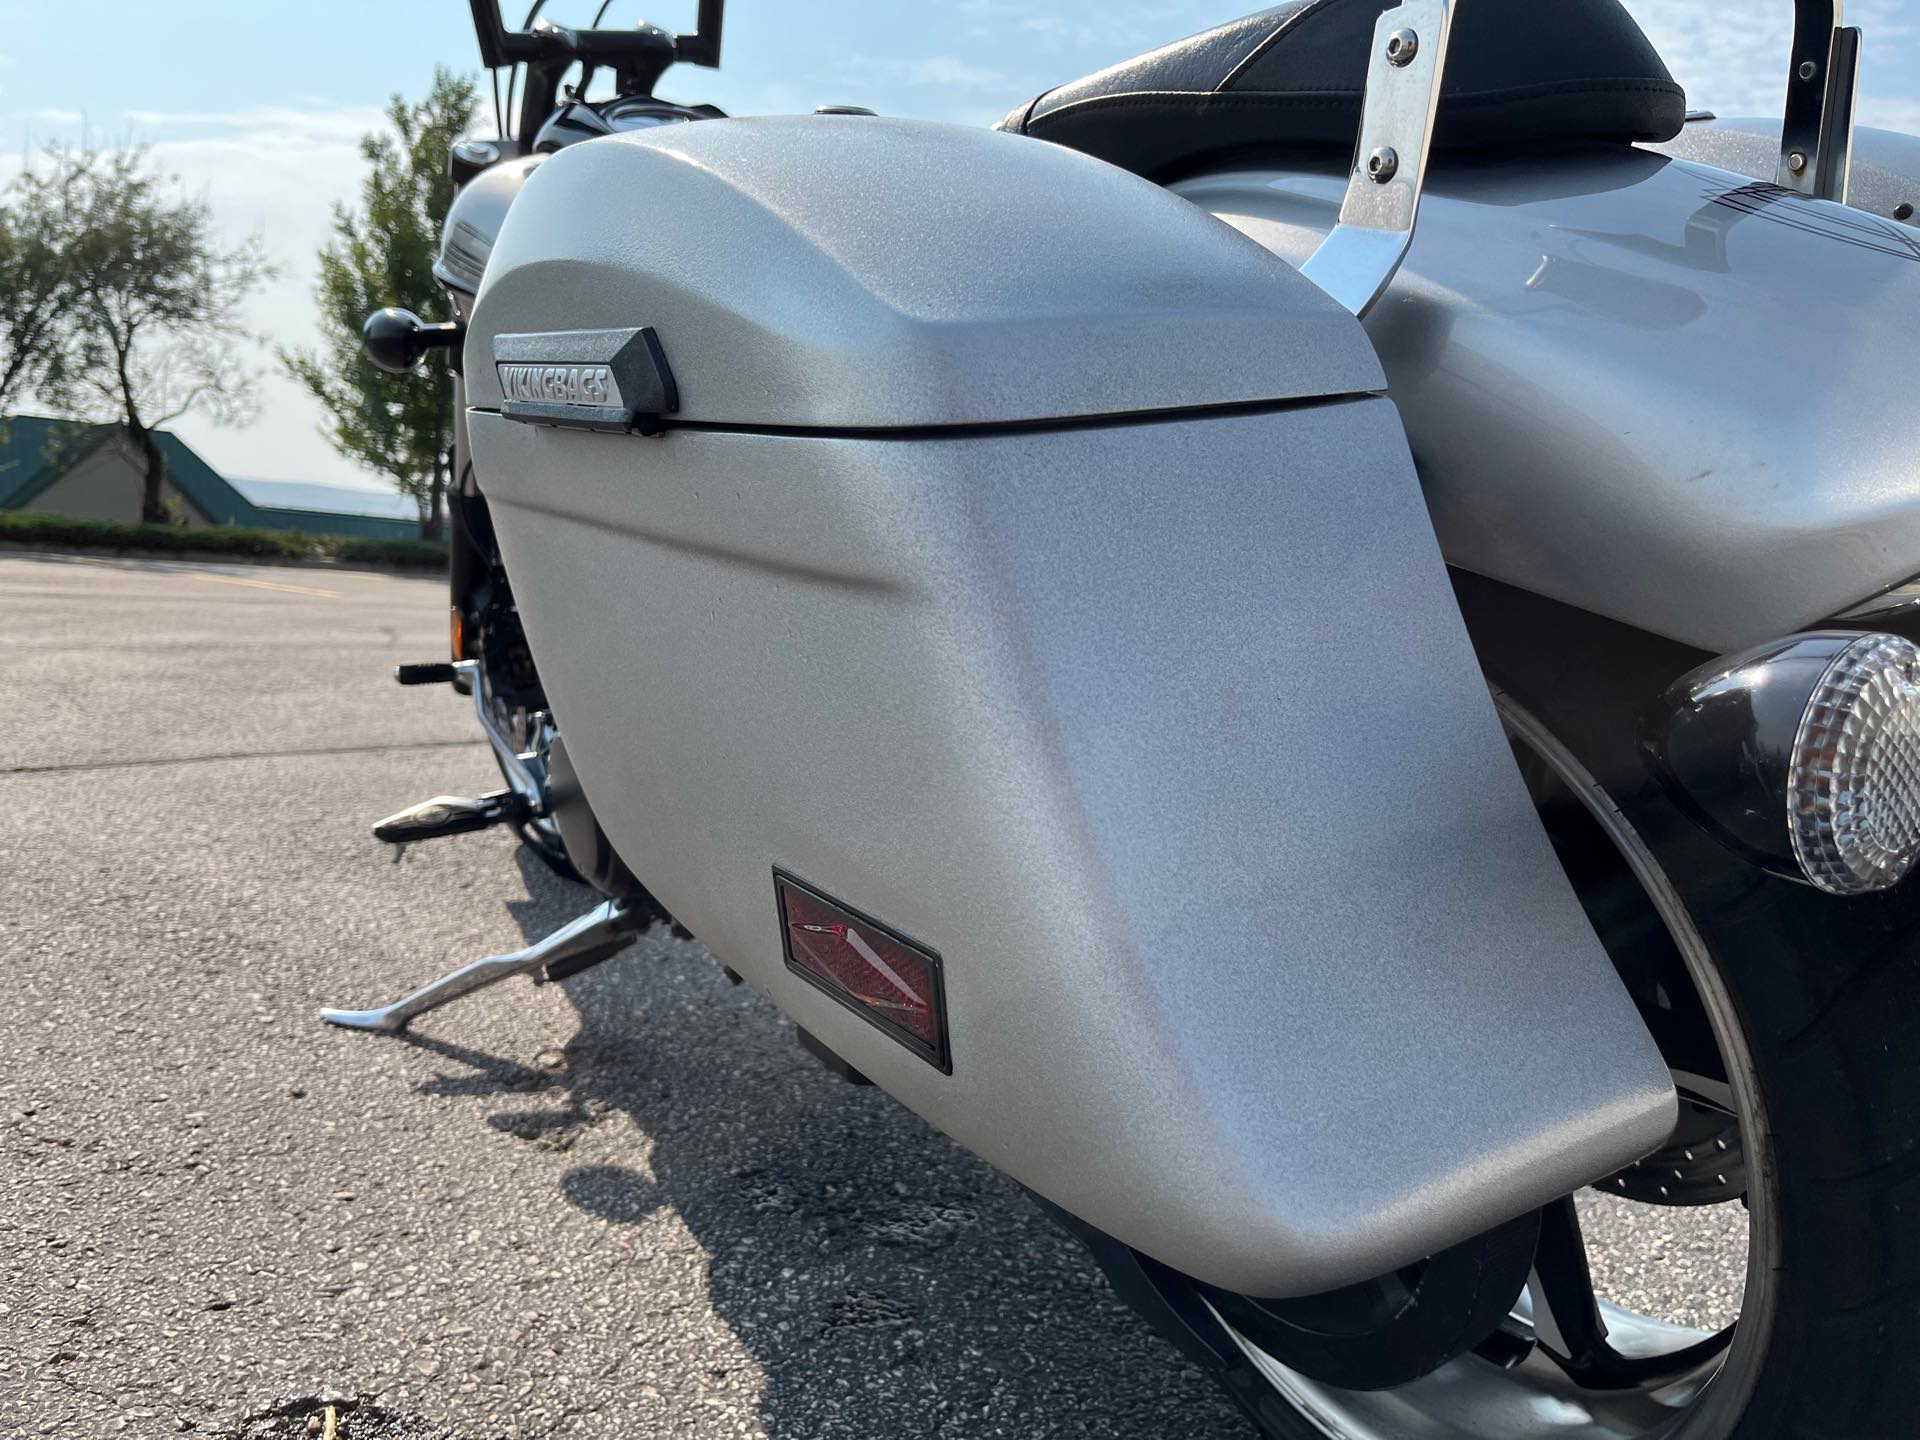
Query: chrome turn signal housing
x,y
1803,755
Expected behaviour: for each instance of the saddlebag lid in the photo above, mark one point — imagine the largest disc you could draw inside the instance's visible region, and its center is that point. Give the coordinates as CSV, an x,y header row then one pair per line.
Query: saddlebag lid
x,y
849,273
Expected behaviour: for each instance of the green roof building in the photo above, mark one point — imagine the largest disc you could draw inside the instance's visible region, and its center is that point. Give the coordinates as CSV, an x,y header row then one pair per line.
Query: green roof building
x,y
92,472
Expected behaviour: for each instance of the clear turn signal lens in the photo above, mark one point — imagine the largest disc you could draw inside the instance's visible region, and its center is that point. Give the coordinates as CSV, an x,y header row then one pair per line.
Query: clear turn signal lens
x,y
1853,803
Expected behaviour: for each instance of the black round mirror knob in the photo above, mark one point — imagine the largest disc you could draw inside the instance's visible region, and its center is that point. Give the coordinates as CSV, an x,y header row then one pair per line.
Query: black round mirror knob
x,y
397,340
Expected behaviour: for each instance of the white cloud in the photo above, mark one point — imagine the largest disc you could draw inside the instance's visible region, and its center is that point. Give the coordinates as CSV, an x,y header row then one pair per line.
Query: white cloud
x,y
935,71
281,190
935,87
1731,55
951,70
273,122
1890,113
1112,32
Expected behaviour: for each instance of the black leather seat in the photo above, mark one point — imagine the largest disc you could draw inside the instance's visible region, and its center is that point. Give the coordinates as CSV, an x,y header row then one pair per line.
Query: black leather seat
x,y
1518,71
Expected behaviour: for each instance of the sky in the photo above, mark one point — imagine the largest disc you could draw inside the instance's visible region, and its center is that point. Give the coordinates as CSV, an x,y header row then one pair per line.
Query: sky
x,y
258,107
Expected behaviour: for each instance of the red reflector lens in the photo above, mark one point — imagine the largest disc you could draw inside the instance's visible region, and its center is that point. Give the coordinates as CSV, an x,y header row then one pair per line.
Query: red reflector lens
x,y
872,970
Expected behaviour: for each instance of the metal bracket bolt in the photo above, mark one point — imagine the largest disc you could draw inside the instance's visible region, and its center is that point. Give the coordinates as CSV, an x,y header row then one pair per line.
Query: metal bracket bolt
x,y
1383,164
1405,64
1823,85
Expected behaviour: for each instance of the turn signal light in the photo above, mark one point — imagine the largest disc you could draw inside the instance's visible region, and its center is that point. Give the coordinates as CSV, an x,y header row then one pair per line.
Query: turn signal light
x,y
1855,788
1804,755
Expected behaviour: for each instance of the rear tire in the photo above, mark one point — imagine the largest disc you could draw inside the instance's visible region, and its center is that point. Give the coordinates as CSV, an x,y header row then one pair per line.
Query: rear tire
x,y
1825,992
1841,1075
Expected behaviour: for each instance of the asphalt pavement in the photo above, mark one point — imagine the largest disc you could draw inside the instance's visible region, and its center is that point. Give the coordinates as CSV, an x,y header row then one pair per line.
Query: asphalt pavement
x,y
626,1205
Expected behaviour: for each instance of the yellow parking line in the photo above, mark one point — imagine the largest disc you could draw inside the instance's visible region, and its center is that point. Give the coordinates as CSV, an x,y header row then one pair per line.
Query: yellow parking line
x,y
271,585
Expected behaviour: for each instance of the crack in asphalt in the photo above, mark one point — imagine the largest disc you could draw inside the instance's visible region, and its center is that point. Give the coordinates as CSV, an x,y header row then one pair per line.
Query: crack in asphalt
x,y
312,752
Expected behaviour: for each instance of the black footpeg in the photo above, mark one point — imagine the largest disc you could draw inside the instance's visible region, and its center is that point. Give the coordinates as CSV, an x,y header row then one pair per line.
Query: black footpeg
x,y
437,674
452,815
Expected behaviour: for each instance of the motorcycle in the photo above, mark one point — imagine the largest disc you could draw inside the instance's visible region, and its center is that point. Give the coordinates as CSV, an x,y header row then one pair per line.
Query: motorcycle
x,y
1307,743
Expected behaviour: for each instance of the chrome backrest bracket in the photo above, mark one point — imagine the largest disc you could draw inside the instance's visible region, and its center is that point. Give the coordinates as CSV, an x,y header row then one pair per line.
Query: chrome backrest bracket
x,y
1816,141
1362,253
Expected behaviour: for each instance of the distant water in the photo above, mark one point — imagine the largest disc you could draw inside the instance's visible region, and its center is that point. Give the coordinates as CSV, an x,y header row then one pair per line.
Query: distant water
x,y
341,499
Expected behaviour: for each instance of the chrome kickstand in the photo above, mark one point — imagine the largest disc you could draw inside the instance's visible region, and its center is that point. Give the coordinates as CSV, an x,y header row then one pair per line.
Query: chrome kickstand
x,y
603,931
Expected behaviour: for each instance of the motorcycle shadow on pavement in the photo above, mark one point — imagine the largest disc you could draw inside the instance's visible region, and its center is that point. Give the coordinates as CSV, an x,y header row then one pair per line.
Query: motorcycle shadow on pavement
x,y
883,1280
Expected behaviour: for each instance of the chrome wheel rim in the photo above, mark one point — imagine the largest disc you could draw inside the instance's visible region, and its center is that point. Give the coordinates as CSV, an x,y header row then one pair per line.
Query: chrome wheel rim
x,y
1688,1387
1473,1399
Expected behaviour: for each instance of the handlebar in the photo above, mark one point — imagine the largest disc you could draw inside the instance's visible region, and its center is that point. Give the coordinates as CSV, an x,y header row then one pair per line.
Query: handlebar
x,y
549,42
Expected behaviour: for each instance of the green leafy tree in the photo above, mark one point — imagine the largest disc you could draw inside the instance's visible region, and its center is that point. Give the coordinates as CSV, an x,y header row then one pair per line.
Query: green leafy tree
x,y
382,254
150,325
39,224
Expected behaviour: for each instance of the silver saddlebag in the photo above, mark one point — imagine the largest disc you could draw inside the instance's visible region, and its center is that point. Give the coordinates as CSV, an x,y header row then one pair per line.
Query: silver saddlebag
x,y
991,603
